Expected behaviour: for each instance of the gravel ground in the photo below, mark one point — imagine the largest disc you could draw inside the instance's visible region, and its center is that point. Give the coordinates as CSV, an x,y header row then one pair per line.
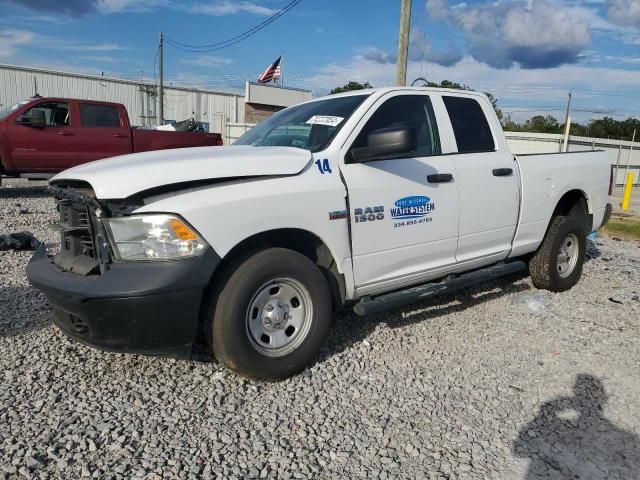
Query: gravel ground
x,y
498,381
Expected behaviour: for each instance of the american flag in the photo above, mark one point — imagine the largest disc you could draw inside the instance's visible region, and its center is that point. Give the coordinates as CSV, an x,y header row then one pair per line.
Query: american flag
x,y
272,73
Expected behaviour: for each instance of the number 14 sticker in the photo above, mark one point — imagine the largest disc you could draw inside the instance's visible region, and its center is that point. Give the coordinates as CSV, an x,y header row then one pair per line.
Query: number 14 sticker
x,y
323,166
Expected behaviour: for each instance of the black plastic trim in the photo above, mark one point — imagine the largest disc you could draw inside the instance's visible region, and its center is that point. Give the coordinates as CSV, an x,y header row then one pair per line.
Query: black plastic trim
x,y
368,305
137,307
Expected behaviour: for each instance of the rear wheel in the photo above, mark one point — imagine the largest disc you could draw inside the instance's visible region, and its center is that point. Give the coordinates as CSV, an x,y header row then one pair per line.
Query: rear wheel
x,y
557,265
272,315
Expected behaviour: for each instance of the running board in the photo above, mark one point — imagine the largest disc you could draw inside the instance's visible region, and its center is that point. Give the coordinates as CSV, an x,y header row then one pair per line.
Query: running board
x,y
37,176
368,305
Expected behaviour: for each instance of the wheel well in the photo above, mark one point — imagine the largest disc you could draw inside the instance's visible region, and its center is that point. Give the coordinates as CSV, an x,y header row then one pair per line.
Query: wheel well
x,y
574,203
299,240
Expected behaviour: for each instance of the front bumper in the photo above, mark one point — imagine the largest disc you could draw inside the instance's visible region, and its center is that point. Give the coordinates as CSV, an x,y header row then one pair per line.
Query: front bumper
x,y
137,307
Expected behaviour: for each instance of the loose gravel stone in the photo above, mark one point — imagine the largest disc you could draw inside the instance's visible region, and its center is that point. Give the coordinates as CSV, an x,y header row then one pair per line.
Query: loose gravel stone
x,y
498,381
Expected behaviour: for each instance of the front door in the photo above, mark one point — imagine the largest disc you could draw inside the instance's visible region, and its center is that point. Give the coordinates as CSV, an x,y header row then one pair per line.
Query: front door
x,y
403,211
48,148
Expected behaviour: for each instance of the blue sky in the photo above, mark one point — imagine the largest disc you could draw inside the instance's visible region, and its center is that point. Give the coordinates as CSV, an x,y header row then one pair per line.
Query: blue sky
x,y
528,53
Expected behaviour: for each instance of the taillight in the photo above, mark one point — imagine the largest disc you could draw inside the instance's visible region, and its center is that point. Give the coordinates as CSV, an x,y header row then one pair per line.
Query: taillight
x,y
611,180
219,142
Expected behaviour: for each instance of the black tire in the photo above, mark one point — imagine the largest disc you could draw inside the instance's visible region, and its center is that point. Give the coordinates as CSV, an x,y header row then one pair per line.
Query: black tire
x,y
231,341
543,266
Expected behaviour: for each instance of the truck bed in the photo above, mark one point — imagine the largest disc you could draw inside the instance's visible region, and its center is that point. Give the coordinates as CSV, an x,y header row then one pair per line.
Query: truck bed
x,y
148,140
544,177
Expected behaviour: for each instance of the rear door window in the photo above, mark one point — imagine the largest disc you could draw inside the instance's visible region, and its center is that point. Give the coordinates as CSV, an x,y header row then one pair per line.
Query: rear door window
x,y
99,116
470,125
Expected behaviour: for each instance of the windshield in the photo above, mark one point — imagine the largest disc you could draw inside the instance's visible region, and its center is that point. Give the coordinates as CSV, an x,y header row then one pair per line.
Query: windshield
x,y
310,126
7,110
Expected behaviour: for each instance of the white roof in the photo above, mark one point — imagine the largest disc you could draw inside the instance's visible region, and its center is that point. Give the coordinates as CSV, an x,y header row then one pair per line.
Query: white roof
x,y
382,90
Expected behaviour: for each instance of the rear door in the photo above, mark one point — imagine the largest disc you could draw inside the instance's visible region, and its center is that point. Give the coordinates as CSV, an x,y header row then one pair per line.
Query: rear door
x,y
404,222
47,149
486,178
102,131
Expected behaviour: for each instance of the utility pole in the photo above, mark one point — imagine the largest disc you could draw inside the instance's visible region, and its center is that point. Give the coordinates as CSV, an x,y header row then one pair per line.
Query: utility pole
x,y
633,139
566,117
161,87
403,43
565,142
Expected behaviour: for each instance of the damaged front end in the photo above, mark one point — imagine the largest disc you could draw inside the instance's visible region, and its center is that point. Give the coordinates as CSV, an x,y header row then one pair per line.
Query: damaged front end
x,y
84,248
114,303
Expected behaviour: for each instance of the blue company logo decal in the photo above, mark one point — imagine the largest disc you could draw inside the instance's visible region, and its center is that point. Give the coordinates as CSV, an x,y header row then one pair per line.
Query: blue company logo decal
x,y
416,206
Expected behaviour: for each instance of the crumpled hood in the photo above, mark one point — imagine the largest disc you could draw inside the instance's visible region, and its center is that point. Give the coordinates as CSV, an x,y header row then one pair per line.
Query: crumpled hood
x,y
121,177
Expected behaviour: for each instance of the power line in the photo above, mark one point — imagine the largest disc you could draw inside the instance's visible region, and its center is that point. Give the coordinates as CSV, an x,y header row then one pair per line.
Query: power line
x,y
233,40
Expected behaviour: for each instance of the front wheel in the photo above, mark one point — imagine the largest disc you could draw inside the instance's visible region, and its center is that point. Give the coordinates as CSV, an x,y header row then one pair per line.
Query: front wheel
x,y
272,315
557,265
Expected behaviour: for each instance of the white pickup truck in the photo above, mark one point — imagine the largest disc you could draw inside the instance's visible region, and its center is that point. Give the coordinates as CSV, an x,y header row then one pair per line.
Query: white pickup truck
x,y
375,198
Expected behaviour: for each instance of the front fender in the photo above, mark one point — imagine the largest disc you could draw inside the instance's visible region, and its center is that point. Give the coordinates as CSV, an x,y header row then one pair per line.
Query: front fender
x,y
225,215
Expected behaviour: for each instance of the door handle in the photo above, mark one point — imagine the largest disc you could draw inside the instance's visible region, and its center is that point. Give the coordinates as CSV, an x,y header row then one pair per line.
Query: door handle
x,y
502,172
120,135
65,133
439,178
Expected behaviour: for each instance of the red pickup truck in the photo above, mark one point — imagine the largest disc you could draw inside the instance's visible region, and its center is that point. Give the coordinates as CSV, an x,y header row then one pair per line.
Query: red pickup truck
x,y
43,136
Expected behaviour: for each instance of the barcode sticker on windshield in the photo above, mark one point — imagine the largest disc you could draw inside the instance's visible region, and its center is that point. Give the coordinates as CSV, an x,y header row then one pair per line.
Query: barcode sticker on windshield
x,y
329,120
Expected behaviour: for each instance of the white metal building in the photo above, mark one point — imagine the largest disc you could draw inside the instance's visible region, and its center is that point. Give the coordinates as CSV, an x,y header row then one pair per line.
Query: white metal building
x,y
215,107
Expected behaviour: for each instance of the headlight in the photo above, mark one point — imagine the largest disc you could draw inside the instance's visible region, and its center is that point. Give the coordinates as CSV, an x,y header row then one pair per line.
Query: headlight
x,y
153,237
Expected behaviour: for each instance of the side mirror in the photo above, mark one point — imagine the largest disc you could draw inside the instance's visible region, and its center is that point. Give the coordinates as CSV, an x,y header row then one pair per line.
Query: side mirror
x,y
36,119
386,143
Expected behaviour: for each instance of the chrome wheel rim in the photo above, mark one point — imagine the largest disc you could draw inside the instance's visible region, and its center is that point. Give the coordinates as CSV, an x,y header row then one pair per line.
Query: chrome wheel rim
x,y
568,255
279,317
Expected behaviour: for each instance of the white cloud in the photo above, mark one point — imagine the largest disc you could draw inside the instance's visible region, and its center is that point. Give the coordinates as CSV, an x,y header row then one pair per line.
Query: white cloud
x,y
115,6
99,58
591,85
532,34
207,61
420,50
228,7
79,8
11,39
625,12
78,46
86,47
622,59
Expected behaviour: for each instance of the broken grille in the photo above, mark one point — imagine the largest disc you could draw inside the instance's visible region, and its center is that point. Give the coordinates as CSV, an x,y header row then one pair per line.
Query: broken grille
x,y
77,226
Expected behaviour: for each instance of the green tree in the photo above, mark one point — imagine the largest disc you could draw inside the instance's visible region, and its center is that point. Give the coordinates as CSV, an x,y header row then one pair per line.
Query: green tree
x,y
542,124
577,129
494,103
509,125
351,86
449,84
605,127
